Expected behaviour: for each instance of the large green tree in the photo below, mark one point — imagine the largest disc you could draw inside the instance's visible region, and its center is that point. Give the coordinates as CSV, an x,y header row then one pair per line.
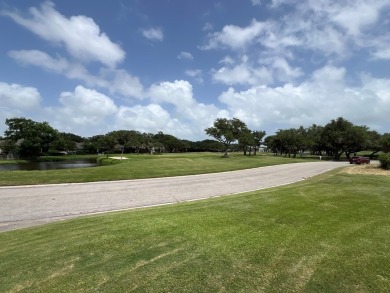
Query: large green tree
x,y
246,141
273,144
123,139
385,142
91,144
341,136
314,141
373,142
107,144
226,131
258,136
32,138
66,142
290,141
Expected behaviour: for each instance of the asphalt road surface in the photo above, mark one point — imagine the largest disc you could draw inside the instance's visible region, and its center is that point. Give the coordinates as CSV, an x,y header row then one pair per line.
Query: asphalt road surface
x,y
25,206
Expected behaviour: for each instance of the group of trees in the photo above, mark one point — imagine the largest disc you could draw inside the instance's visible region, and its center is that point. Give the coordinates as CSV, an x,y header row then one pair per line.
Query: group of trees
x,y
337,137
30,139
131,141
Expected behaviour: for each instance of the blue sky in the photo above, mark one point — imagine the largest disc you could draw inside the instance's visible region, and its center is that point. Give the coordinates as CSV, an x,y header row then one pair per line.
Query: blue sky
x,y
90,67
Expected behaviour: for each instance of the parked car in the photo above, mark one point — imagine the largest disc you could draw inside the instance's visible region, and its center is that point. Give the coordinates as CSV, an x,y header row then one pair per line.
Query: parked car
x,y
359,160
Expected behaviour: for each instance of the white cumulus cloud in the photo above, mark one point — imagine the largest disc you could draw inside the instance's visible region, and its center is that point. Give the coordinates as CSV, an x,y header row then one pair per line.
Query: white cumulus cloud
x,y
153,34
196,74
41,59
327,27
17,101
178,93
18,96
116,81
242,74
236,37
185,55
324,96
151,118
121,82
80,35
83,111
192,116
382,54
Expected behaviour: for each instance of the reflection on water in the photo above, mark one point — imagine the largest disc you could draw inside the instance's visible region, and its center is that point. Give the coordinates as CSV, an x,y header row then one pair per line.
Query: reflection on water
x,y
85,163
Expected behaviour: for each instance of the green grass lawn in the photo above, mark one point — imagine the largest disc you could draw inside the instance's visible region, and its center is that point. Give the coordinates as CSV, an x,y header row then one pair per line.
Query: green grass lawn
x,y
330,233
12,161
145,166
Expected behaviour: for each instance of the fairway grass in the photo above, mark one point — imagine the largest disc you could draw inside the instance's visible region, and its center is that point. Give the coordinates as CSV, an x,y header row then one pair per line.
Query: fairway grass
x,y
145,166
330,233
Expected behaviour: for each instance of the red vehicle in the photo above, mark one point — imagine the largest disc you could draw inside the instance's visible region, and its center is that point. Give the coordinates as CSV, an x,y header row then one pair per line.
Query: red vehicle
x,y
359,160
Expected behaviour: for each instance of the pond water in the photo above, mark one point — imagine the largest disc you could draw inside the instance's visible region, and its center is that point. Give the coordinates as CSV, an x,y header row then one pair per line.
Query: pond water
x,y
70,164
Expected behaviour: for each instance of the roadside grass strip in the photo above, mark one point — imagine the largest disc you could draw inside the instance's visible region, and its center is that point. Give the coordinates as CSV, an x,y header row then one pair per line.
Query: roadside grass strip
x,y
329,233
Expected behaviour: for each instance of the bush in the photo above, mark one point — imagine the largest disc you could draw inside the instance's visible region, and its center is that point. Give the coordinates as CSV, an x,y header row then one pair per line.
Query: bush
x,y
384,160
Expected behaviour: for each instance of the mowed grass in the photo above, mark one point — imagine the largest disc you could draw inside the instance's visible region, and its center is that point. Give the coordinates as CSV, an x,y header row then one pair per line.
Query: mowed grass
x,y
145,166
330,233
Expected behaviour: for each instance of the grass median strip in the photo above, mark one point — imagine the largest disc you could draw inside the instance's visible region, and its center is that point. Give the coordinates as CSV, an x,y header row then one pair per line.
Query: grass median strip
x,y
145,166
330,233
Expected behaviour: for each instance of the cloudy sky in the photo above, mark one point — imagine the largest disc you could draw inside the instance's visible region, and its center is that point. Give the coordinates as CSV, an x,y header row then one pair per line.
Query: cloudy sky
x,y
90,67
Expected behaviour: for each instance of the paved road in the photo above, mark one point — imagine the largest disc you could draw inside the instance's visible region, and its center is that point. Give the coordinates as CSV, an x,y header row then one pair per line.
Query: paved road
x,y
26,206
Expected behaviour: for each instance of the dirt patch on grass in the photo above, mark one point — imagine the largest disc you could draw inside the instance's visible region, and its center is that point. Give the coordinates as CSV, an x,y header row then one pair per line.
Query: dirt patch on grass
x,y
371,169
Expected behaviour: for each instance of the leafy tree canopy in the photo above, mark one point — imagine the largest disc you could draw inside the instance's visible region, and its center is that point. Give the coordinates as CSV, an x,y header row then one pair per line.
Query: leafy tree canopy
x,y
33,138
385,143
227,131
341,136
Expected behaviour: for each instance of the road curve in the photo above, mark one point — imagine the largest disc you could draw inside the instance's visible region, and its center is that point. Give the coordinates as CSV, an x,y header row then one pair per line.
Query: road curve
x,y
25,206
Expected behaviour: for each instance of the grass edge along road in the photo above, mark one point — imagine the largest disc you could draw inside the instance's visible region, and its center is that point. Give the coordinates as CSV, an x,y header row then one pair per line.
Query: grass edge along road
x,y
146,166
330,233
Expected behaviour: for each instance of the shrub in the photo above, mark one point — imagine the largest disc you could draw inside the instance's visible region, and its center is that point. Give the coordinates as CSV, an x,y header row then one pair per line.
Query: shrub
x,y
384,160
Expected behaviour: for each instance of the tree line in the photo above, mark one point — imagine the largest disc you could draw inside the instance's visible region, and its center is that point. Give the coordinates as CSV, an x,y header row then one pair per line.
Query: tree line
x,y
30,139
336,138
